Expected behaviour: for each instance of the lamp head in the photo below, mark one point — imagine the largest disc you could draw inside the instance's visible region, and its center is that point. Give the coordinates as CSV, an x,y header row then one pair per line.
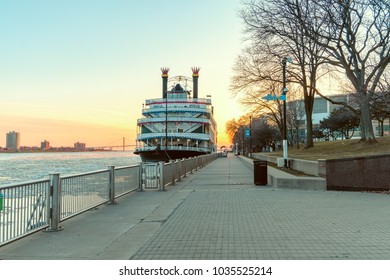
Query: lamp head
x,y
286,59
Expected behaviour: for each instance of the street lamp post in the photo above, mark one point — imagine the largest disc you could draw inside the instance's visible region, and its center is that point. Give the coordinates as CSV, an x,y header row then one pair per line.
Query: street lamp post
x,y
250,136
284,93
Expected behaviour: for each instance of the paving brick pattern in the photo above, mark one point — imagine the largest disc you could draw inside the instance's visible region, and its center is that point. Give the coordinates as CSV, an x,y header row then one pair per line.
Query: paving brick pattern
x,y
240,221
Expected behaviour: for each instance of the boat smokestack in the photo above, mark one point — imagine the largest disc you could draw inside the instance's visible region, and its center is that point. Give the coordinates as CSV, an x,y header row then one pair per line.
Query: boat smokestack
x,y
195,76
164,76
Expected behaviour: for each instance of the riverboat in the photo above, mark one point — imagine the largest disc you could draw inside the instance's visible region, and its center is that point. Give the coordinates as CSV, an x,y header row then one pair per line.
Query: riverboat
x,y
178,125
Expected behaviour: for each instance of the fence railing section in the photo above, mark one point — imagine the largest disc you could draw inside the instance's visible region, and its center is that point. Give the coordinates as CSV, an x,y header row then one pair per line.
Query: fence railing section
x,y
170,172
42,204
23,209
127,179
82,192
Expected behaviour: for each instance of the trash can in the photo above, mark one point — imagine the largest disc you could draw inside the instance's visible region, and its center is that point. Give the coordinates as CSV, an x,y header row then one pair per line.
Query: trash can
x,y
260,172
1,202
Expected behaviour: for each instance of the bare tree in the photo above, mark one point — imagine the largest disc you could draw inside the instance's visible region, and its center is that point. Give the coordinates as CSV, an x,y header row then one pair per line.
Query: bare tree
x,y
275,29
233,126
355,35
253,79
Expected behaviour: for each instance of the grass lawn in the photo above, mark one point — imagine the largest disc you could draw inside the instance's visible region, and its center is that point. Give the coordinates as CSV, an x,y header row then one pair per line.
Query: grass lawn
x,y
338,149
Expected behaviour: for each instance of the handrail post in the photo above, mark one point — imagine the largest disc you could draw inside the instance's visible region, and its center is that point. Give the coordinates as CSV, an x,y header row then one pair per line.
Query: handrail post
x,y
111,185
54,203
173,172
179,168
185,167
161,178
141,173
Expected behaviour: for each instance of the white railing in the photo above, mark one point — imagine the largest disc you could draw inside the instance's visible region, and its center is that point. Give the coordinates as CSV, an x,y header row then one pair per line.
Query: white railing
x,y
159,135
174,119
178,100
170,148
175,109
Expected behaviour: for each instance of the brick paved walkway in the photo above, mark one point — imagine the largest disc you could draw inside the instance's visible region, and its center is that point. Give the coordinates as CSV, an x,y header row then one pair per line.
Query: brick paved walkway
x,y
236,220
218,213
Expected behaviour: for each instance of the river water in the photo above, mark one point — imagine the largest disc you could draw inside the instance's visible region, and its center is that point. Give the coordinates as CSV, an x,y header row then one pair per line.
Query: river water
x,y
22,167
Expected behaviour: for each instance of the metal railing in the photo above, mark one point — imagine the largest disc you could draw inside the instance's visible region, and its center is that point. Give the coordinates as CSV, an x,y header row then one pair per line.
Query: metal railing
x,y
82,192
176,169
127,179
22,209
32,206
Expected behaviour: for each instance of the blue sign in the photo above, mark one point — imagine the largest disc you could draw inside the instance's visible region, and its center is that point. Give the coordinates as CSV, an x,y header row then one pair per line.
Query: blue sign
x,y
270,97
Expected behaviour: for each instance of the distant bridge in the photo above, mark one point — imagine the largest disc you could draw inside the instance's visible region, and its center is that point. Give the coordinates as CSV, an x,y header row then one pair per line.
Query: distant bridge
x,y
123,147
115,145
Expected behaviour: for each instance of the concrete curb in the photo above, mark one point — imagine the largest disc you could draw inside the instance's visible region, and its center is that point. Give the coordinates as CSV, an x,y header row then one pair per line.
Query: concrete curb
x,y
280,179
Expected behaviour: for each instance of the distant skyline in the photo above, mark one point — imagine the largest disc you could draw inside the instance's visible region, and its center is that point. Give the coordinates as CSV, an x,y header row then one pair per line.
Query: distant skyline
x,y
79,71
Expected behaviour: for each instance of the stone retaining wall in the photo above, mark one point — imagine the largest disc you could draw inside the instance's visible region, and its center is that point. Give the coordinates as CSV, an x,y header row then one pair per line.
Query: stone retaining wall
x,y
371,173
358,174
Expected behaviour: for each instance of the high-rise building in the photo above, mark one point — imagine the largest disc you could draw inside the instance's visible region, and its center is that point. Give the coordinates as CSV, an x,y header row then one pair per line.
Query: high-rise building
x,y
13,140
79,146
45,145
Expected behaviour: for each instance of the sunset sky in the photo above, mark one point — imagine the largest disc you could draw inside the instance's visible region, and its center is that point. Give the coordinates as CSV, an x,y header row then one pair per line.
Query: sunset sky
x,y
79,71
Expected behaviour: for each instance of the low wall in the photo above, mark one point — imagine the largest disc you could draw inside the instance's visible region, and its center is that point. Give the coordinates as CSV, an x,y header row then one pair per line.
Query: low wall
x,y
309,167
306,166
280,179
370,173
266,157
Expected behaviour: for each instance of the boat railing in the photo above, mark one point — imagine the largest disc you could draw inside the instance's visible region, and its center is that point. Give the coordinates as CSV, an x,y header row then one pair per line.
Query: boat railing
x,y
170,148
32,206
178,100
204,120
162,109
173,135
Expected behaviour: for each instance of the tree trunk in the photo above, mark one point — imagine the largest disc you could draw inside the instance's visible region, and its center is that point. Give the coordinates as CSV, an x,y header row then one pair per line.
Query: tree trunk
x,y
309,131
366,122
